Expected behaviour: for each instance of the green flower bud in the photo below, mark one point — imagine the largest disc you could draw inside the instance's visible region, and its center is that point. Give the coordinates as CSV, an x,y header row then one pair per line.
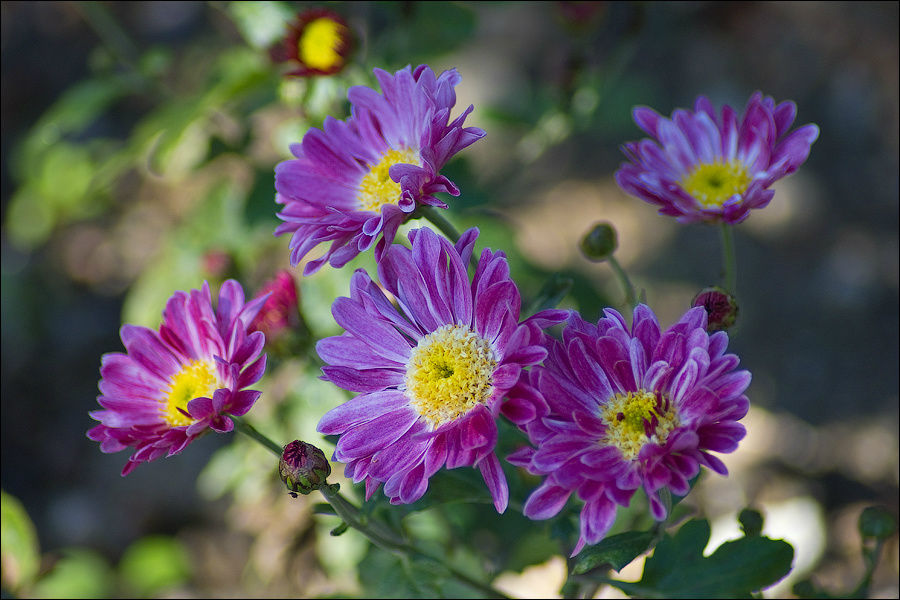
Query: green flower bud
x,y
721,308
303,467
751,522
877,522
599,243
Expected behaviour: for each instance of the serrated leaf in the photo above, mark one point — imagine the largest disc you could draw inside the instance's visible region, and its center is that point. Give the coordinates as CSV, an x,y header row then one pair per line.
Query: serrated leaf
x,y
678,569
616,551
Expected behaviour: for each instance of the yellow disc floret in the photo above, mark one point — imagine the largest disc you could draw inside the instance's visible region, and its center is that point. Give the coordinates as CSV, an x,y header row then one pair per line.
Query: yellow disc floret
x,y
711,184
320,43
377,188
196,379
636,418
449,373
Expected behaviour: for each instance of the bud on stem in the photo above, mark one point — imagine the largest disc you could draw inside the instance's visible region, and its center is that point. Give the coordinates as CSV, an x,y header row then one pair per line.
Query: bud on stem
x,y
303,468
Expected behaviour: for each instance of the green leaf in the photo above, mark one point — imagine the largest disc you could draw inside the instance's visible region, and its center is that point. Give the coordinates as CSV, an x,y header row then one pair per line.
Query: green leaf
x,y
77,108
19,547
615,551
261,23
385,575
153,564
80,573
737,568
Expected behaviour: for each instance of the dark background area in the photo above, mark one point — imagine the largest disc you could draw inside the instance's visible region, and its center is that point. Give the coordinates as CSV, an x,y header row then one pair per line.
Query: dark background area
x,y
818,280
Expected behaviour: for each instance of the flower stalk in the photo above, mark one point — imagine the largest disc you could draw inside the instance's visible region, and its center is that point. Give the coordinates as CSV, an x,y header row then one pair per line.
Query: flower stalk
x,y
376,532
728,257
630,297
251,432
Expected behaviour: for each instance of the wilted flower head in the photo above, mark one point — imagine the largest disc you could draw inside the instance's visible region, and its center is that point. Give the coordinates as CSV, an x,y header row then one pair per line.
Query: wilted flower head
x,y
173,385
704,167
318,42
279,312
431,375
357,180
618,408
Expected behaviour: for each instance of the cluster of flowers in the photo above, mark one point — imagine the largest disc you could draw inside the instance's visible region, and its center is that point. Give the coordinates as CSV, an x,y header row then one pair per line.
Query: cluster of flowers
x,y
436,355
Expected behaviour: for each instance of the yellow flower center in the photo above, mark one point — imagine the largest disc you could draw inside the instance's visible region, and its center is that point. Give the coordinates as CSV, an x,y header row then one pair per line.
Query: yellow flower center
x,y
195,380
636,418
377,188
449,373
711,184
319,44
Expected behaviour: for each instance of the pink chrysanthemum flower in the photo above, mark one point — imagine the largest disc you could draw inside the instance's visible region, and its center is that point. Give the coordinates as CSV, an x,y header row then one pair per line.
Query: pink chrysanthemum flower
x,y
700,167
620,408
318,43
171,386
431,373
357,180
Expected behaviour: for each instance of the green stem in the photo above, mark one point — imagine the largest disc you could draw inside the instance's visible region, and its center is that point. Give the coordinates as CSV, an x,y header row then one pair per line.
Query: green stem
x,y
388,540
438,220
728,257
630,297
109,31
378,533
248,430
870,557
443,225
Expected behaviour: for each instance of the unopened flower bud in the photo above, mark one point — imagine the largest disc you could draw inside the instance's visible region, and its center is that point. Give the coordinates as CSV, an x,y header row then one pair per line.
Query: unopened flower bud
x,y
877,522
721,308
751,522
599,243
303,467
280,312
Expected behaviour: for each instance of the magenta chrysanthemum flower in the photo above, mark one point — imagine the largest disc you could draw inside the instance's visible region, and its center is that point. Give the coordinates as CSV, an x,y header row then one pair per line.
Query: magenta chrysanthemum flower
x,y
171,386
431,374
700,167
620,408
357,180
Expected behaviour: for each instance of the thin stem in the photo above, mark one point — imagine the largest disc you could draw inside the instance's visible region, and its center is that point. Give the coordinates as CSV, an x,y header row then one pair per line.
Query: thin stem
x,y
438,220
443,225
728,257
109,31
388,540
379,534
630,297
870,557
248,430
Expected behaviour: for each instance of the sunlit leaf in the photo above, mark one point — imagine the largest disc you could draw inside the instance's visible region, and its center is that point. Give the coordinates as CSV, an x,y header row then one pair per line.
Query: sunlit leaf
x,y
19,547
80,573
261,23
153,564
615,551
678,569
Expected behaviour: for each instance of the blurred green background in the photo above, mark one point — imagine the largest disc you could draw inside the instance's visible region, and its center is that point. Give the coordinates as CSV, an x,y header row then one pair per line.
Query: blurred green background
x,y
138,147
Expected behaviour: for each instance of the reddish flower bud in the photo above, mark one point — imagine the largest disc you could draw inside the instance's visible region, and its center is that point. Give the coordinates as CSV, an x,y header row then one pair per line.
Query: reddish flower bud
x,y
721,308
303,467
280,312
